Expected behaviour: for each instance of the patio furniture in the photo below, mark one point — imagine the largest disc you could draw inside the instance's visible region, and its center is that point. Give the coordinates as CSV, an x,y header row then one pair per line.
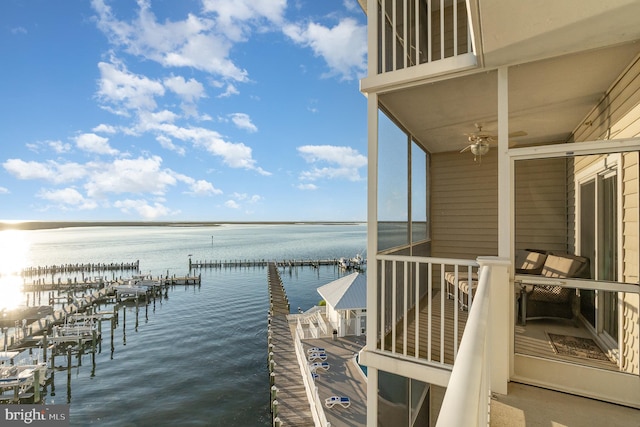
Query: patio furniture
x,y
317,356
319,365
550,301
527,261
343,401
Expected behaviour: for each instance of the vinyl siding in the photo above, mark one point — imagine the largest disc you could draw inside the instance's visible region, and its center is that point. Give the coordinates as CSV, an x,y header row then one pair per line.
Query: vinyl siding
x,y
618,116
541,204
464,203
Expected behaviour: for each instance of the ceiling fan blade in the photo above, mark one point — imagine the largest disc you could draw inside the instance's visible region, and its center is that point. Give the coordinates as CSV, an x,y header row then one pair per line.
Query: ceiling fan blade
x,y
511,135
465,148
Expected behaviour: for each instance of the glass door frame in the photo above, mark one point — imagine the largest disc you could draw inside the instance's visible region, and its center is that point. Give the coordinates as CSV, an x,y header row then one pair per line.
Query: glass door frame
x,y
606,167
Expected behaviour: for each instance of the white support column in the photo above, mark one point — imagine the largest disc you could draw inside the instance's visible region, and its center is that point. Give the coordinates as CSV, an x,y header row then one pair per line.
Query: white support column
x,y
506,199
500,321
372,397
505,180
372,250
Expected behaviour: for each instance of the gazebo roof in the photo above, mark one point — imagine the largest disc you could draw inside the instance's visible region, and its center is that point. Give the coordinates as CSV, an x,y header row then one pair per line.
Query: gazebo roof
x,y
347,293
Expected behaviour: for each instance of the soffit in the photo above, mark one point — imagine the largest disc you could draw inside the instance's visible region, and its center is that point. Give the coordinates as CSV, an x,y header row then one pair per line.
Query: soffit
x,y
512,30
547,99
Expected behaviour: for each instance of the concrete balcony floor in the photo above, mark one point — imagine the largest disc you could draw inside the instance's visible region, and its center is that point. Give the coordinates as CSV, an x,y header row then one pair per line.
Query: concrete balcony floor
x,y
533,406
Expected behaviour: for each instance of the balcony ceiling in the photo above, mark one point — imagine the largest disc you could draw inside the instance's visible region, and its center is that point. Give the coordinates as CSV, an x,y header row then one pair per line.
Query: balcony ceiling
x,y
563,56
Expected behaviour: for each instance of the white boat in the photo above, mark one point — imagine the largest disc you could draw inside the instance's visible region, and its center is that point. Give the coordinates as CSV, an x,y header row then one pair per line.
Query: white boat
x,y
355,263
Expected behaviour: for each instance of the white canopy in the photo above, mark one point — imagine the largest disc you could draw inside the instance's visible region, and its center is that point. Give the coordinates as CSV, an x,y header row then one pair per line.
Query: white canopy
x,y
347,293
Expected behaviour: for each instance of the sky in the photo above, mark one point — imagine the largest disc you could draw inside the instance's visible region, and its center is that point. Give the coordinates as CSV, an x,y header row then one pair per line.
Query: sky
x,y
182,110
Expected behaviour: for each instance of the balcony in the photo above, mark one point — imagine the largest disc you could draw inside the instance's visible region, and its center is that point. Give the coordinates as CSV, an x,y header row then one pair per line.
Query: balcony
x,y
425,323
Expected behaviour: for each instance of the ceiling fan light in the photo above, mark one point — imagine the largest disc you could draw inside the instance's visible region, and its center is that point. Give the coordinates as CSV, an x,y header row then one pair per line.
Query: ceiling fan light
x,y
479,149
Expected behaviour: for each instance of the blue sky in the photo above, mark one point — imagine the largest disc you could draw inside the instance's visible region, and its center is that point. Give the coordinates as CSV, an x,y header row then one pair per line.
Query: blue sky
x,y
208,110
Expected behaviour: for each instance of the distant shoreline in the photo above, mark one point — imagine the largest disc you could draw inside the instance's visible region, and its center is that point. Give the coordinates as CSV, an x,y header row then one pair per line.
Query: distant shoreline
x,y
45,225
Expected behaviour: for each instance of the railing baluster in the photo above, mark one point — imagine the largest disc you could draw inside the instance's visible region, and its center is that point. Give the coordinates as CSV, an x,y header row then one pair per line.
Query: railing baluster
x,y
417,30
417,311
405,32
383,291
405,310
394,306
429,32
441,29
455,28
456,308
430,308
394,34
383,36
442,314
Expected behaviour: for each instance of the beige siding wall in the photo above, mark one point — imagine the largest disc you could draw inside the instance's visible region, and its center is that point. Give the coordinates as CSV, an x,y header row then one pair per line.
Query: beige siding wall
x,y
610,118
464,205
541,213
618,116
630,302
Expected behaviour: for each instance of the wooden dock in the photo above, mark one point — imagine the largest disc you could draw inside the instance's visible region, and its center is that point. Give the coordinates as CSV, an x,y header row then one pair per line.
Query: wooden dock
x,y
243,263
80,268
289,402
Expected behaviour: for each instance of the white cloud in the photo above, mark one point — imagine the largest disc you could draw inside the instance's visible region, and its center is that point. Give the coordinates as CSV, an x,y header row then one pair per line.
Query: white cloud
x,y
203,188
246,198
234,16
243,121
231,90
125,90
68,196
189,91
347,162
193,42
167,143
103,128
232,204
18,30
50,171
137,176
94,144
343,47
307,186
143,208
4,190
235,155
59,146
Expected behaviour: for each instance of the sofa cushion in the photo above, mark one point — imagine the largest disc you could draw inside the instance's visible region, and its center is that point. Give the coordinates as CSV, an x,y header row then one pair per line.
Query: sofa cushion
x,y
529,261
565,265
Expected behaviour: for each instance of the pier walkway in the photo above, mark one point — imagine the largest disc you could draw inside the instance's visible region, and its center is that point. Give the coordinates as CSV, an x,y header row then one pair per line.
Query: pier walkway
x,y
238,263
290,405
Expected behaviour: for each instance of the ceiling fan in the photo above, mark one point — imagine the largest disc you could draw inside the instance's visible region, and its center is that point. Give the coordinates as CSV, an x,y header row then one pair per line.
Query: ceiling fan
x,y
479,142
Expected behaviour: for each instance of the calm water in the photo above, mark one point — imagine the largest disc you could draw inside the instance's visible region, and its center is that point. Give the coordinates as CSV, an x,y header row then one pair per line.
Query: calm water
x,y
197,358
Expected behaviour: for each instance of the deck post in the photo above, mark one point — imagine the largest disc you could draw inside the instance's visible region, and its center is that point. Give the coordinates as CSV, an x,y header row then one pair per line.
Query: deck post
x,y
36,386
500,318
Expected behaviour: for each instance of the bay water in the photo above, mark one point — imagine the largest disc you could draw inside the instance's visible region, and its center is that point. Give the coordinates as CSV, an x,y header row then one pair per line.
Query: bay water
x,y
199,356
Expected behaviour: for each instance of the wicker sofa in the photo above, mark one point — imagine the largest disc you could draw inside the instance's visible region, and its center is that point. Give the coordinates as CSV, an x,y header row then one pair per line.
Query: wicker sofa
x,y
549,301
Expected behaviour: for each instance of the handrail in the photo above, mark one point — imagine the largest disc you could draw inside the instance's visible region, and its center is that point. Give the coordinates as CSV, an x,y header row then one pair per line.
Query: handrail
x,y
466,401
317,411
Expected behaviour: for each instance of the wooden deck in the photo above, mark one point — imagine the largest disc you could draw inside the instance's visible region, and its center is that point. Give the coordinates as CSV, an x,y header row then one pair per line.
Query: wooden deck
x,y
423,327
532,339
292,408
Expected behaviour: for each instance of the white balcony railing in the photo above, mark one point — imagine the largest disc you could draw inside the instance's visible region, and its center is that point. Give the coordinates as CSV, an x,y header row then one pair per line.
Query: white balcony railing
x,y
466,401
421,313
414,32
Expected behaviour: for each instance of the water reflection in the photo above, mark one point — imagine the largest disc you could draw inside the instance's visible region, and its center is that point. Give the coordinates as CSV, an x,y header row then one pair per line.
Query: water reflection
x,y
14,248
